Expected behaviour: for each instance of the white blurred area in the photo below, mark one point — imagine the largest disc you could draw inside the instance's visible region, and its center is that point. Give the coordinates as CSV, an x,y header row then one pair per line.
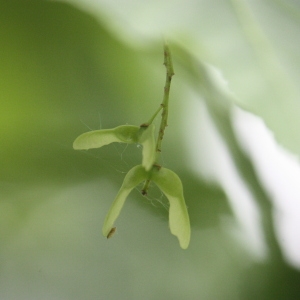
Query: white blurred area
x,y
277,169
210,159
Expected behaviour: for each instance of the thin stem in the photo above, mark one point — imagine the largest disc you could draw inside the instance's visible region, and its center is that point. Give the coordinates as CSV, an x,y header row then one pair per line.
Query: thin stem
x,y
154,116
165,103
164,107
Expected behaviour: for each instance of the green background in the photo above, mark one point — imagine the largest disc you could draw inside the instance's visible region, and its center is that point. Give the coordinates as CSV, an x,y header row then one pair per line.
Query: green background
x,y
64,72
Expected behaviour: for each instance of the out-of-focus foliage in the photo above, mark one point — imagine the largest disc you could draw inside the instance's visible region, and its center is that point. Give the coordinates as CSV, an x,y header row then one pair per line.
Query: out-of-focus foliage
x,y
254,43
63,72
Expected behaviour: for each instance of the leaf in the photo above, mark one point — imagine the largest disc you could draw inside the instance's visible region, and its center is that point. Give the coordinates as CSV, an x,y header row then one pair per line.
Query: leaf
x,y
170,184
98,138
135,176
147,139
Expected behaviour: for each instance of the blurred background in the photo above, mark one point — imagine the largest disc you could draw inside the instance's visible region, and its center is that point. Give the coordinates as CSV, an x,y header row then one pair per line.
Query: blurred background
x,y
67,67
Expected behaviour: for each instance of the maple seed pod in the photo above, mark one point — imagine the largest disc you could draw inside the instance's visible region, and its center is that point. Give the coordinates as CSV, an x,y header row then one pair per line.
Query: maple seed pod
x,y
170,184
134,177
147,139
98,138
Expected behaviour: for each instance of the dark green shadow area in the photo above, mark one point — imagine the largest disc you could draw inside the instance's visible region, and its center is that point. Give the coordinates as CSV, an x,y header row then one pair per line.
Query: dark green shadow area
x,y
61,73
